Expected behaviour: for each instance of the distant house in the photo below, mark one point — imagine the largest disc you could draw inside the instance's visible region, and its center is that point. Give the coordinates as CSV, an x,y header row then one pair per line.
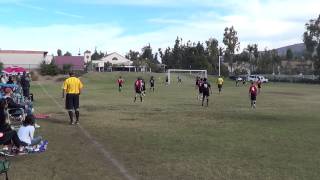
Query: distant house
x,y
25,59
76,62
116,60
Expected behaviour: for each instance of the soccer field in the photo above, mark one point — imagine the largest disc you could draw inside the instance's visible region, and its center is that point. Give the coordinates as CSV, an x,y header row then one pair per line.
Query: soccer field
x,y
170,136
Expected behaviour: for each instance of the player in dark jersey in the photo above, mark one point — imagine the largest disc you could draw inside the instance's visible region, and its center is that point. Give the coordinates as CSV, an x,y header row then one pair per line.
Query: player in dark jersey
x,y
167,81
259,83
206,90
197,82
253,91
143,85
120,82
200,88
152,83
138,89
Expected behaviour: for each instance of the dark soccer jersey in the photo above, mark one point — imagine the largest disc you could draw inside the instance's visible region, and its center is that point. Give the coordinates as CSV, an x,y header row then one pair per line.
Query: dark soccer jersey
x,y
205,86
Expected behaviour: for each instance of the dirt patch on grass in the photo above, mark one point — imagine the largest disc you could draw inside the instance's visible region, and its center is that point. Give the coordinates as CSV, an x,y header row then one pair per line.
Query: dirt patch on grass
x,y
285,93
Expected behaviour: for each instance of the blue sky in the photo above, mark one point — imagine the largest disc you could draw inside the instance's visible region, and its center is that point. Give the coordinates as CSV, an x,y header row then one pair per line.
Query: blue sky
x,y
121,25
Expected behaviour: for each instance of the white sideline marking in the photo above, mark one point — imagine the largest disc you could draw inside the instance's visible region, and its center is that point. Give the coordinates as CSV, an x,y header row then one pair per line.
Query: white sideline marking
x,y
107,155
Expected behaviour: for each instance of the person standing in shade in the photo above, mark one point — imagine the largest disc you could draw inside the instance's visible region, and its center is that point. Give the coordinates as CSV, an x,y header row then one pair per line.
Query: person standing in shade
x,y
220,84
72,87
25,84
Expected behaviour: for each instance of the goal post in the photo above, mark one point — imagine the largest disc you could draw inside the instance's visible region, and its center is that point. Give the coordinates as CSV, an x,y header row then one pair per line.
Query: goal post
x,y
170,71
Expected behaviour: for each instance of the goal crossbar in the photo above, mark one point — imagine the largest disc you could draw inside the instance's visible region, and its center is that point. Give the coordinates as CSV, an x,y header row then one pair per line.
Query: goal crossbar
x,y
184,70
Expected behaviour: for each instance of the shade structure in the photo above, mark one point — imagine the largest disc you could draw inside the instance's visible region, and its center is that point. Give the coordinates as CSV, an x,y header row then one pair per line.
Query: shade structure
x,y
14,70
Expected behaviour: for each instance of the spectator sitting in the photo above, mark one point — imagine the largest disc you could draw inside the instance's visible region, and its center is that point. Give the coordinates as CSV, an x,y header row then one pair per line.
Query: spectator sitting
x,y
26,132
10,80
11,104
3,79
7,135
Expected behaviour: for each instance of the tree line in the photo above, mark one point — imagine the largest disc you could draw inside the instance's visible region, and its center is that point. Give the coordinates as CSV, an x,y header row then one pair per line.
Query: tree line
x,y
205,55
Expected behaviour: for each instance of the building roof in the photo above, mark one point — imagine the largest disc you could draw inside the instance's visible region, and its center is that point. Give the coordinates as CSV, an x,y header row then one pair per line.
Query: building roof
x,y
22,52
116,59
77,62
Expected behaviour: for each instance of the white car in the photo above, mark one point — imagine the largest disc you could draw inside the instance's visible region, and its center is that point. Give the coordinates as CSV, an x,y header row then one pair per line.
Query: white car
x,y
254,78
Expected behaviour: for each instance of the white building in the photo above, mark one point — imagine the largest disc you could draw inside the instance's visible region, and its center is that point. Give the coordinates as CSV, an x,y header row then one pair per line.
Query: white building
x,y
25,59
115,59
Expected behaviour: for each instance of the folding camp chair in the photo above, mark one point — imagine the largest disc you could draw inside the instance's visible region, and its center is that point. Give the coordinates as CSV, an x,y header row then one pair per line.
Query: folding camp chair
x,y
4,162
16,116
4,165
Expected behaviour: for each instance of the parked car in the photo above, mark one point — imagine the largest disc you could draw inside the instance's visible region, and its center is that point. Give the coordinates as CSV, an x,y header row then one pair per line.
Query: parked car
x,y
238,78
254,78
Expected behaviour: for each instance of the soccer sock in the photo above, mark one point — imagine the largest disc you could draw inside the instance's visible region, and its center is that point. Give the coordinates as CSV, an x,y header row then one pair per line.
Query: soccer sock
x,y
135,98
77,115
70,116
141,98
207,102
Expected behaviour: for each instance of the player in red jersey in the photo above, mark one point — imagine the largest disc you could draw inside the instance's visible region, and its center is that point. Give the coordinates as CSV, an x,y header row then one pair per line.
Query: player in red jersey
x,y
253,91
120,82
138,89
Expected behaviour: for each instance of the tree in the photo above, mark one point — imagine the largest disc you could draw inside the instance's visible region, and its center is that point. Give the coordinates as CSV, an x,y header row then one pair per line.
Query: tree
x,y
311,39
59,52
95,55
289,54
231,41
67,54
253,56
133,55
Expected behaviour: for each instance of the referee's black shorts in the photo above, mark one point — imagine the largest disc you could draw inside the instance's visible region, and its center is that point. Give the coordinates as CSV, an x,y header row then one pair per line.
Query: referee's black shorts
x,y
72,101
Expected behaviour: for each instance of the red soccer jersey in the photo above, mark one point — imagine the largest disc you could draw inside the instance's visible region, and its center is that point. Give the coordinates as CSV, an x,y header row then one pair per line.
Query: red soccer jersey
x,y
120,81
253,90
138,84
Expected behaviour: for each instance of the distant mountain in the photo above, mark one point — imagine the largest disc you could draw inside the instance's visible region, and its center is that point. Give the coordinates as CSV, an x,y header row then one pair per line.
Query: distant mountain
x,y
297,49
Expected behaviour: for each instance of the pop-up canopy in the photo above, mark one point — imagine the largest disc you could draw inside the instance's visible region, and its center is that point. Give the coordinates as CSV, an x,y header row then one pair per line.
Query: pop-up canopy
x,y
14,70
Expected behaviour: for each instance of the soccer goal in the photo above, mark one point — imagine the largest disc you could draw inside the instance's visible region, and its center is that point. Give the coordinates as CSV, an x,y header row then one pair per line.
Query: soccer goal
x,y
192,73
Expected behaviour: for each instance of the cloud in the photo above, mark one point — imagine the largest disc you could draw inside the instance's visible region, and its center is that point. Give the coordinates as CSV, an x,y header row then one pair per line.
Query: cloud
x,y
269,23
25,5
65,37
68,14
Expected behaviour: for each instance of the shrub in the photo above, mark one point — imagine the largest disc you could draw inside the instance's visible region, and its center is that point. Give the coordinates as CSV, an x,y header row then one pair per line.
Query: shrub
x,y
49,69
66,68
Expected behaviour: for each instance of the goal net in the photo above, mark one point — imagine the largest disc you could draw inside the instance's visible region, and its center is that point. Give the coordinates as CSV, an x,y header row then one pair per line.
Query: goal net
x,y
174,75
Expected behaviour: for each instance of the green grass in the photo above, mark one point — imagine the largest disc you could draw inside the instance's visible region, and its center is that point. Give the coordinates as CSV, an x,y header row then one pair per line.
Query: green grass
x,y
170,136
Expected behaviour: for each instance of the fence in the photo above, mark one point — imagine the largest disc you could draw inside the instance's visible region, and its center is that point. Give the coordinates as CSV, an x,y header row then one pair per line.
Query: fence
x,y
312,79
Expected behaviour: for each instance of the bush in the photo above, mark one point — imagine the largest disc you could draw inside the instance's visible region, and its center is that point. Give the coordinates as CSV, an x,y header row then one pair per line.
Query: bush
x,y
49,69
66,68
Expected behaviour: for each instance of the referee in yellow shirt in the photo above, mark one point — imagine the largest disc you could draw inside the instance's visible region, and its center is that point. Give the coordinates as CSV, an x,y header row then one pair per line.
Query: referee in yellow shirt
x,y
72,88
220,83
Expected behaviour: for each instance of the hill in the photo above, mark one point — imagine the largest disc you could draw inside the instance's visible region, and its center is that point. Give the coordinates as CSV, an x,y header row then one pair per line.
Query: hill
x,y
297,49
